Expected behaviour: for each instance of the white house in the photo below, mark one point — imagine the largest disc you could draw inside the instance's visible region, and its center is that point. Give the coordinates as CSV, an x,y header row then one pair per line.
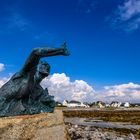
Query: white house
x,y
126,104
84,105
65,103
115,104
100,104
74,104
58,104
107,105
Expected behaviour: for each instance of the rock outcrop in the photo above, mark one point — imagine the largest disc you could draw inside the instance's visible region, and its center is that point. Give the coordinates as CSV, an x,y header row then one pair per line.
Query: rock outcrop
x,y
44,126
81,132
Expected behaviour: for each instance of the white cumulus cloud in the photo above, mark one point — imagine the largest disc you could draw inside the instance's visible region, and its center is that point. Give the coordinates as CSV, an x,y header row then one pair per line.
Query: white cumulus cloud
x,y
2,67
123,92
123,86
62,88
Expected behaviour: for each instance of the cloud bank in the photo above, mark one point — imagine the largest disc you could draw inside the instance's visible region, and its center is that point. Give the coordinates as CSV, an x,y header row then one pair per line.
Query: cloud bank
x,y
127,16
61,86
123,92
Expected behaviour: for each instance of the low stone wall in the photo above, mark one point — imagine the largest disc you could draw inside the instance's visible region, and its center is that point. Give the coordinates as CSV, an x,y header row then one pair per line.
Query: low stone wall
x,y
44,126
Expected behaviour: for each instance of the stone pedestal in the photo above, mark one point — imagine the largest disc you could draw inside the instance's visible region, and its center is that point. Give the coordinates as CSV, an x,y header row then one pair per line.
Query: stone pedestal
x,y
44,126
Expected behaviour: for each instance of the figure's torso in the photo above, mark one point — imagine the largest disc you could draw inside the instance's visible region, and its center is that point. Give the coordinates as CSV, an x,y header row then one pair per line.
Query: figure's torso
x,y
18,86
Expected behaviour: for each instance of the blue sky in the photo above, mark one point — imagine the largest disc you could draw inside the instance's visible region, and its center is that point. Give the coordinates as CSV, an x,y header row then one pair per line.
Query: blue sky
x,y
102,36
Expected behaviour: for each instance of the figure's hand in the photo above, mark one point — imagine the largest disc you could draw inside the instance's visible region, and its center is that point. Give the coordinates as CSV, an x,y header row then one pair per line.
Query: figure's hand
x,y
65,50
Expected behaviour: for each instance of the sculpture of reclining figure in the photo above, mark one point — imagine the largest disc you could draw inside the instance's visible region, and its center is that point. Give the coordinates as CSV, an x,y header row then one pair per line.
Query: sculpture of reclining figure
x,y
23,94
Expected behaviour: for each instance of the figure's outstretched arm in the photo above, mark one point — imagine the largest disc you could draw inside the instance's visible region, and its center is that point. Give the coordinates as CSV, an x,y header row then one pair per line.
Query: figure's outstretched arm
x,y
37,53
45,52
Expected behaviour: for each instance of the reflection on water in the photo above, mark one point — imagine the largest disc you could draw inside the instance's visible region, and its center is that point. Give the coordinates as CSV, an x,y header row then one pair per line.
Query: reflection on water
x,y
100,123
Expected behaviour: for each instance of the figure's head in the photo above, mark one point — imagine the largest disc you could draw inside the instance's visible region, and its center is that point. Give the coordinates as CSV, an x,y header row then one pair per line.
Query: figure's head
x,y
43,70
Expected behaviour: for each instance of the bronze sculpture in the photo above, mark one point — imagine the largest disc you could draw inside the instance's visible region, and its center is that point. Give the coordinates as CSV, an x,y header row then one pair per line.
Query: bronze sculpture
x,y
23,94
